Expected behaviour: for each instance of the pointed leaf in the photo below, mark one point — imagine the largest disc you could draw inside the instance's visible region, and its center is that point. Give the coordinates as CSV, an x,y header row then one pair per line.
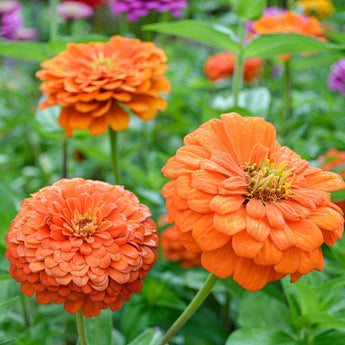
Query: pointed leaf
x,y
255,336
149,337
214,36
275,44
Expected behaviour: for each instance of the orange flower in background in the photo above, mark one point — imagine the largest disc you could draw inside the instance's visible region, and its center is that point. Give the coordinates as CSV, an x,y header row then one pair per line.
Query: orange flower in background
x,y
94,82
173,249
92,3
86,244
222,65
333,159
289,22
254,210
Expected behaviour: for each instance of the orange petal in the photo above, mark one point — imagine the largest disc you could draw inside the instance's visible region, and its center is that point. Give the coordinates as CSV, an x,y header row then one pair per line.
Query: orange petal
x,y
231,223
118,118
250,276
79,120
326,218
258,154
289,262
206,181
206,237
268,255
199,201
98,125
259,229
86,107
220,261
102,109
325,181
186,219
188,241
274,216
226,204
255,208
330,237
183,185
310,261
308,235
245,246
283,238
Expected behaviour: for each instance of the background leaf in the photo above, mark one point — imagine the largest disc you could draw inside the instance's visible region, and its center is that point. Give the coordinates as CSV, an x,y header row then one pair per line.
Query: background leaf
x,y
275,44
214,36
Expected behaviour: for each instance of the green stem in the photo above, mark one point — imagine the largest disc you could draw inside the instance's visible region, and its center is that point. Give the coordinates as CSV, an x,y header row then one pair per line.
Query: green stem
x,y
26,311
238,77
286,110
64,157
81,328
53,20
114,155
290,4
192,307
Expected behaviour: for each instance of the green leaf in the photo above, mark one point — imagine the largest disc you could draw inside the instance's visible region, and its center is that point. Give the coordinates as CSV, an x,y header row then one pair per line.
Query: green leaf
x,y
59,45
338,195
307,298
255,336
312,61
39,51
319,320
260,310
103,327
213,35
48,118
34,51
149,337
275,44
329,337
249,9
336,36
5,303
7,341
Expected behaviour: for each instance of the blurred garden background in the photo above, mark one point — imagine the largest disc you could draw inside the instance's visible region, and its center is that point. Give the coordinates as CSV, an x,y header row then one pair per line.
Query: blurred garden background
x,y
302,95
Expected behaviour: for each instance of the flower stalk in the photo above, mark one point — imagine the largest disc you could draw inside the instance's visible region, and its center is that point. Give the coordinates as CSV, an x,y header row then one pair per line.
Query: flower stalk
x,y
114,155
53,20
238,77
286,111
81,328
192,307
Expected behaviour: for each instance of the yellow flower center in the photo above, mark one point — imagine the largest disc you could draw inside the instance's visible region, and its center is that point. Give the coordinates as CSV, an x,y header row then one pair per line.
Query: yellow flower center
x,y
267,183
84,226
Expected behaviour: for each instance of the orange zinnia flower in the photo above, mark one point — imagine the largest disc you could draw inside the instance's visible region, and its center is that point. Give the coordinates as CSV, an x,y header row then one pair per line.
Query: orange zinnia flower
x,y
92,82
255,210
83,243
222,65
333,159
289,22
173,248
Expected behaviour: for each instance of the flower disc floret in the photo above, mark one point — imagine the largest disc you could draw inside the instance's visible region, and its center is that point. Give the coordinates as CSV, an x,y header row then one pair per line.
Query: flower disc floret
x,y
254,210
96,84
85,244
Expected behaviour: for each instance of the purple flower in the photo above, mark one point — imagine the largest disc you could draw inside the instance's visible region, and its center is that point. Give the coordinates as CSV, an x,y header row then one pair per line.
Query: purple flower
x,y
9,6
141,8
270,12
336,79
12,27
71,10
